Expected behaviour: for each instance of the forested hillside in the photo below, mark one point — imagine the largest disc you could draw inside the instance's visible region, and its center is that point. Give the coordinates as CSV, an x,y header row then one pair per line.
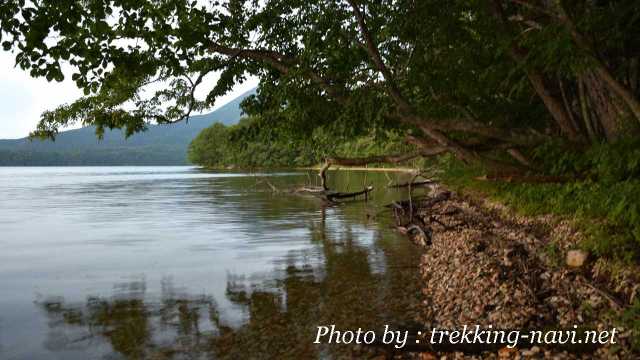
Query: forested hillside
x,y
158,145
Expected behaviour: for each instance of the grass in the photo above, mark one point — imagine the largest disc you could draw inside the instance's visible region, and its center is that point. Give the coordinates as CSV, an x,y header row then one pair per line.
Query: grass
x,y
603,201
631,320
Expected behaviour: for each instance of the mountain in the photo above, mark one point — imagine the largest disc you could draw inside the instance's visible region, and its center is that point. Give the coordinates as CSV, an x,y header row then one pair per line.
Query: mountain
x,y
159,145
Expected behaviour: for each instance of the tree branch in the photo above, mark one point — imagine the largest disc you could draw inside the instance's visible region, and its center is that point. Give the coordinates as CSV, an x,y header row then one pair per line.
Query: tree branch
x,y
283,63
407,112
537,80
560,15
429,127
374,54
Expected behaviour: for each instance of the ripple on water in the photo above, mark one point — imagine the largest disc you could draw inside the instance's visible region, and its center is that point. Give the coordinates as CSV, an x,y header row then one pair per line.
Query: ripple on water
x,y
159,261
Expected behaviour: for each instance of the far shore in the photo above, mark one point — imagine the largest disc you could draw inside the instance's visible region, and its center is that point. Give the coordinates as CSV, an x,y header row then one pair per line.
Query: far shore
x,y
317,168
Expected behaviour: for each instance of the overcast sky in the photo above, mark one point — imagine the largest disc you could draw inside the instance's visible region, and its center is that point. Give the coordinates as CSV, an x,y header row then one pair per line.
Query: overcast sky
x,y
23,99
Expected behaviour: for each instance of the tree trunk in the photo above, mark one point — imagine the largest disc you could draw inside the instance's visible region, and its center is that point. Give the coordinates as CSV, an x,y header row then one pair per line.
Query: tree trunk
x,y
555,107
584,109
607,110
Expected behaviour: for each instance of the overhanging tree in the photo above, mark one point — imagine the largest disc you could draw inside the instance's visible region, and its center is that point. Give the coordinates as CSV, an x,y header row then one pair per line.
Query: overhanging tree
x,y
474,78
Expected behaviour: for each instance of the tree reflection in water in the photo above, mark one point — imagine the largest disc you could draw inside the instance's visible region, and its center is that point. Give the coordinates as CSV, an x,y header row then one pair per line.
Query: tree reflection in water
x,y
346,289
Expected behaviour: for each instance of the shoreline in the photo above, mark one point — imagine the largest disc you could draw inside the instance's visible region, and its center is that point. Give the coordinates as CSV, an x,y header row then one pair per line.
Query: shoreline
x,y
362,168
317,168
482,264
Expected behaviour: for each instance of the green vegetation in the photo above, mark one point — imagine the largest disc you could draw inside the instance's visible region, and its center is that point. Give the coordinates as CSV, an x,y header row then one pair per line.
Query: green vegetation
x,y
157,145
96,156
246,145
631,319
510,87
600,190
598,186
503,87
600,193
465,77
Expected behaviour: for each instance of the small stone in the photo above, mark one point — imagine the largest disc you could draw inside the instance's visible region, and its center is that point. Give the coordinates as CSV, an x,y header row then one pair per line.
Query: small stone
x,y
576,258
427,356
506,257
506,352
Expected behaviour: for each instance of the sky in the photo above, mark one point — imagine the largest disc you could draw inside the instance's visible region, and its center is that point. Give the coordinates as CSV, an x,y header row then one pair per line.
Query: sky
x,y
23,98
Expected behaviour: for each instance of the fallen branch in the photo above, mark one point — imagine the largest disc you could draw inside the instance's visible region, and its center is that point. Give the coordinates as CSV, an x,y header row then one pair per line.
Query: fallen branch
x,y
310,189
339,195
519,156
268,183
332,196
534,179
617,304
411,184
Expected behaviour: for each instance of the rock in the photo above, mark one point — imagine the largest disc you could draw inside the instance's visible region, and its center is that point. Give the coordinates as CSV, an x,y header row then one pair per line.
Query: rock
x,y
426,356
507,353
531,352
576,258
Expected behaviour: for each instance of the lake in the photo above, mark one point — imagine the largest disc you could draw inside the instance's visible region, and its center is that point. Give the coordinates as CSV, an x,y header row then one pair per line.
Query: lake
x,y
179,262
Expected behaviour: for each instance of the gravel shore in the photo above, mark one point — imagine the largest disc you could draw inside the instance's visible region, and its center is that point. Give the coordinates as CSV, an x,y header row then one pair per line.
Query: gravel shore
x,y
484,265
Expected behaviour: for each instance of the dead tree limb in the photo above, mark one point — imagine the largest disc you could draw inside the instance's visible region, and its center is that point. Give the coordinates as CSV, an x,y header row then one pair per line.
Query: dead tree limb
x,y
339,196
327,194
323,175
533,179
519,156
410,184
269,184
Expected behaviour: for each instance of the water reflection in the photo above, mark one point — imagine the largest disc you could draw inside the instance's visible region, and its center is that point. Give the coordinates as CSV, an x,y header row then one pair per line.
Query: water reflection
x,y
130,324
281,312
213,266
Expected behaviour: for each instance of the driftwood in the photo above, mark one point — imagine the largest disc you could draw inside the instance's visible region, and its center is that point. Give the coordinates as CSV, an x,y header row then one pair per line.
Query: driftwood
x,y
414,226
533,179
310,190
323,192
422,201
329,195
410,184
338,195
333,196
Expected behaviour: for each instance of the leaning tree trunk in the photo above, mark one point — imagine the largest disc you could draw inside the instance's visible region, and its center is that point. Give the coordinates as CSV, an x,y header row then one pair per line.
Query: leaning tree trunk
x,y
586,106
554,106
608,109
596,111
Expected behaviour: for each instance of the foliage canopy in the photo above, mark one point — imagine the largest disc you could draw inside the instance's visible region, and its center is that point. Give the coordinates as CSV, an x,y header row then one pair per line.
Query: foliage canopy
x,y
466,77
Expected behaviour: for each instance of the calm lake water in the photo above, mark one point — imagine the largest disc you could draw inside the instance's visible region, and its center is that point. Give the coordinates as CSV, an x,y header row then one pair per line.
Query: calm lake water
x,y
178,262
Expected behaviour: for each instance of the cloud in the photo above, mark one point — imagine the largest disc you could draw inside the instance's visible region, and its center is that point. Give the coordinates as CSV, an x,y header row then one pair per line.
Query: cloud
x,y
23,98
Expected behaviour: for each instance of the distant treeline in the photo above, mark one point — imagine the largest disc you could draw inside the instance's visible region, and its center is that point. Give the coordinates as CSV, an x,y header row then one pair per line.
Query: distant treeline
x,y
158,145
138,156
248,144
